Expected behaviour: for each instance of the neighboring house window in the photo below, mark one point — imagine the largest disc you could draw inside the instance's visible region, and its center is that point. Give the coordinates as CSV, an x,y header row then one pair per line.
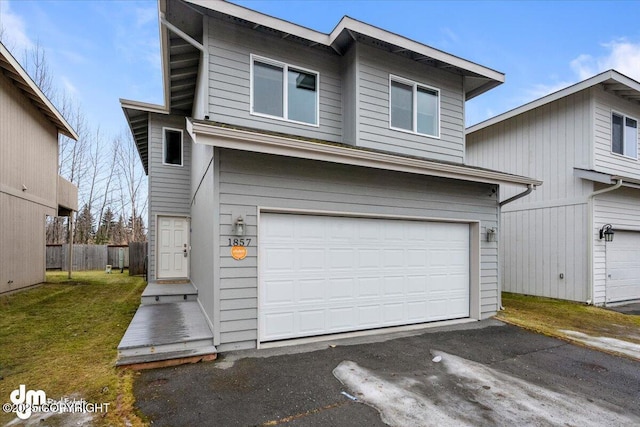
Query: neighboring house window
x,y
284,91
414,107
172,147
624,135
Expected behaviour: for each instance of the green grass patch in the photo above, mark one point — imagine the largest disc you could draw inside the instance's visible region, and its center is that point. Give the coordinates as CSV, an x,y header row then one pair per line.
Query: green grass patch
x,y
549,316
62,338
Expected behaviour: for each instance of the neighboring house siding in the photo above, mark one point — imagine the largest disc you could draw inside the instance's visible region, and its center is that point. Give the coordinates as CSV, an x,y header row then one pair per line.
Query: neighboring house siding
x,y
169,186
620,208
29,158
230,48
374,68
542,235
605,160
203,216
249,181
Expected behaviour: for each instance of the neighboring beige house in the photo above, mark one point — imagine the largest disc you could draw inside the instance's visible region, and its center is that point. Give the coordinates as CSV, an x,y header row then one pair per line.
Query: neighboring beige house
x,y
30,187
583,142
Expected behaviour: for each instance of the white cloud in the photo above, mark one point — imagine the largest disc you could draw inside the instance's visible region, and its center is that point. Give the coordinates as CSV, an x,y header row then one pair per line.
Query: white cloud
x,y
14,29
621,55
145,16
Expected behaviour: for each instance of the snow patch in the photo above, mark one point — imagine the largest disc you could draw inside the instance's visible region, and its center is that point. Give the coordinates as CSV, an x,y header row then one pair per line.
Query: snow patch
x,y
605,343
466,393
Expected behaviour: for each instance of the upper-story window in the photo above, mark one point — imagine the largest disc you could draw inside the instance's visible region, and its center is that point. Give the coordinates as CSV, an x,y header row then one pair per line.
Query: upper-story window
x,y
414,107
172,147
284,91
624,135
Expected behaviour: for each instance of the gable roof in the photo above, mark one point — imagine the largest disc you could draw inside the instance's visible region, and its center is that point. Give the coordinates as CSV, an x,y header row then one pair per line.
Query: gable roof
x,y
477,78
611,80
12,69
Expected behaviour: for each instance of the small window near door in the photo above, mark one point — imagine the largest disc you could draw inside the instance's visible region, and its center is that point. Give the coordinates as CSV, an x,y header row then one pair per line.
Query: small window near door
x,y
172,147
624,135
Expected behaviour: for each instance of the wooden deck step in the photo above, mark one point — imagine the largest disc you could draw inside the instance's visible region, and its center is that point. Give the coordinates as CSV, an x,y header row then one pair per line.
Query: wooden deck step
x,y
166,331
160,293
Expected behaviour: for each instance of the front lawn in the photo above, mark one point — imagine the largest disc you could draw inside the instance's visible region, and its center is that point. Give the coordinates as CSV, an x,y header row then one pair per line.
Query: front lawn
x,y
62,338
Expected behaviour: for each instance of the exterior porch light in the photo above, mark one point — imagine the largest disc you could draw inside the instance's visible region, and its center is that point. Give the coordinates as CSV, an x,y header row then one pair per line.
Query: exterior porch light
x,y
491,234
238,227
606,233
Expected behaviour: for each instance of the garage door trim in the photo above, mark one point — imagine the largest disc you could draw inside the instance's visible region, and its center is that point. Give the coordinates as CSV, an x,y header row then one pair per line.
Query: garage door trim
x,y
474,249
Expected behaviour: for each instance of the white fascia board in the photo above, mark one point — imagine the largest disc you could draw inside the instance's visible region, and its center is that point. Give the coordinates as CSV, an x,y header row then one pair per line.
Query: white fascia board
x,y
21,75
143,106
605,178
347,23
206,134
570,90
262,19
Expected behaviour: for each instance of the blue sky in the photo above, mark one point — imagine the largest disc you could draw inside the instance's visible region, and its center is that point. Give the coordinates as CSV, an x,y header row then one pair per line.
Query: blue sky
x,y
100,51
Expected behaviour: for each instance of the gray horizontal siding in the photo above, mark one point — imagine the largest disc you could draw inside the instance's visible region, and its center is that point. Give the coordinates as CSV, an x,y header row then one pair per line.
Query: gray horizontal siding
x,y
169,186
604,159
230,48
249,181
374,67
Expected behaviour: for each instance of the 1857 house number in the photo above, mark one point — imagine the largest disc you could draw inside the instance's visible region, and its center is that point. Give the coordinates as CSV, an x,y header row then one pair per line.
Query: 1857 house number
x,y
239,242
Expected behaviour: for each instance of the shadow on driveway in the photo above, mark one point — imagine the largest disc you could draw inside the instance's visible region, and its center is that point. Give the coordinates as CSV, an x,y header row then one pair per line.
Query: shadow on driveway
x,y
489,373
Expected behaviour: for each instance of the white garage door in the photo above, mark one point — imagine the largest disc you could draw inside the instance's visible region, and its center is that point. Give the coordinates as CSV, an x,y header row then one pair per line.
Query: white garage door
x,y
323,275
623,267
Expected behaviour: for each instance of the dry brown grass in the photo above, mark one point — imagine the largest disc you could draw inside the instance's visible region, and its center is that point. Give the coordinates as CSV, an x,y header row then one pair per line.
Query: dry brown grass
x,y
62,338
550,316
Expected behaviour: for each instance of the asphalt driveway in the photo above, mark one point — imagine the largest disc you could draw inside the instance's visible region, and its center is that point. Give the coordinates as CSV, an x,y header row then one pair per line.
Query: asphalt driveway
x,y
482,373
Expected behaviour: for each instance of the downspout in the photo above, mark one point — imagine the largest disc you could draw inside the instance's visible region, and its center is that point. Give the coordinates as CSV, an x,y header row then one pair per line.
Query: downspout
x,y
590,281
186,37
518,196
528,191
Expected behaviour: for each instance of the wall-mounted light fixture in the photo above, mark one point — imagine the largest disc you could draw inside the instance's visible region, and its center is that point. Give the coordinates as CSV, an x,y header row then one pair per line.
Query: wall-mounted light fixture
x,y
239,227
606,233
492,234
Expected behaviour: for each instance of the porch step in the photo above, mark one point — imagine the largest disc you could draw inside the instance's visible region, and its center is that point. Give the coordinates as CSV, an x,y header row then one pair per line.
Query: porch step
x,y
158,332
161,293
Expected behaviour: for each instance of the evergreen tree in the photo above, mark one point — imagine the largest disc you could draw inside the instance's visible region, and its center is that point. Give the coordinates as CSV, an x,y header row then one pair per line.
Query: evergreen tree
x,y
84,230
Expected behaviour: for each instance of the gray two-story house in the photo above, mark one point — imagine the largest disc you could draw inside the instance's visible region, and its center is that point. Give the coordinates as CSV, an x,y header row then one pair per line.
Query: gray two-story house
x,y
308,184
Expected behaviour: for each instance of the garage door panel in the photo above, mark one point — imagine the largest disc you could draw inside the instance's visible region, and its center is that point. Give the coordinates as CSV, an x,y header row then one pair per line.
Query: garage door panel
x,y
346,274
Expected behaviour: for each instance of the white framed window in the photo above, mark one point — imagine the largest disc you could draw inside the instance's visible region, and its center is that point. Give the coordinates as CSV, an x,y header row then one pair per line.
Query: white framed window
x,y
624,135
171,147
414,107
284,91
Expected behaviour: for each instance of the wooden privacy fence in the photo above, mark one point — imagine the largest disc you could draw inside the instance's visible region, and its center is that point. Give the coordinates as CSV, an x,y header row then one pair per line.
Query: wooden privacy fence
x,y
96,257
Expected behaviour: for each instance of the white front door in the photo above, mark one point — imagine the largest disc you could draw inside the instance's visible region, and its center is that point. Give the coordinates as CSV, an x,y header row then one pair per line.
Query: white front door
x,y
173,247
623,267
324,275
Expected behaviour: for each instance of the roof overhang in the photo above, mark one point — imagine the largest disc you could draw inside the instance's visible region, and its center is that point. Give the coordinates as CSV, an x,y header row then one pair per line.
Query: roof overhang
x,y
12,69
477,78
611,81
206,133
606,178
137,114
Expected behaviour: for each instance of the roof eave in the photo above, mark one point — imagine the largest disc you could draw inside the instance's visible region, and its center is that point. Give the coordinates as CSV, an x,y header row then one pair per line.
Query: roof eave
x,y
18,74
224,137
562,93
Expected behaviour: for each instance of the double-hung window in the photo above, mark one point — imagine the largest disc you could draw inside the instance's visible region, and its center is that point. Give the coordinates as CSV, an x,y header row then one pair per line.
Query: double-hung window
x,y
284,91
414,107
624,135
